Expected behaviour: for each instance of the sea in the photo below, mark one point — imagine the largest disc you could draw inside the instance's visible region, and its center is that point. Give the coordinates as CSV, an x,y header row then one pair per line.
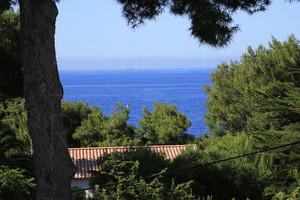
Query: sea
x,y
138,88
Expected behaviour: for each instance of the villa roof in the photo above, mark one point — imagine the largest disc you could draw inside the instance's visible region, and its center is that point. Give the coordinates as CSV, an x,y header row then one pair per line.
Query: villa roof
x,y
85,159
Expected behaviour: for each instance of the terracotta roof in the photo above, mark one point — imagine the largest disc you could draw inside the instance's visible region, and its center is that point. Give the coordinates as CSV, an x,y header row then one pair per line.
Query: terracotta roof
x,y
85,159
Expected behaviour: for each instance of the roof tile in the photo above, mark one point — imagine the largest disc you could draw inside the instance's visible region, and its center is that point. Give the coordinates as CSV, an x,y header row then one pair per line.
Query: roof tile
x,y
85,159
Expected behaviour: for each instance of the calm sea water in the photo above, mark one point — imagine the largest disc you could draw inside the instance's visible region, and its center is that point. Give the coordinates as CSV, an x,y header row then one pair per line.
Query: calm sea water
x,y
138,88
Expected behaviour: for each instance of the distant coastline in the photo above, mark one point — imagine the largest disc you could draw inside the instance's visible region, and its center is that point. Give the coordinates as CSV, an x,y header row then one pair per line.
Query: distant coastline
x,y
126,69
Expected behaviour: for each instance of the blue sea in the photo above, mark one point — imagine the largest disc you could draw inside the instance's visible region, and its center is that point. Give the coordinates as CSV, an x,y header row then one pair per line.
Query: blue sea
x,y
138,88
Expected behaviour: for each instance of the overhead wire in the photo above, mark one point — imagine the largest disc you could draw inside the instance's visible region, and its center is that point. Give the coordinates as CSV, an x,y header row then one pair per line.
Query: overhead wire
x,y
192,167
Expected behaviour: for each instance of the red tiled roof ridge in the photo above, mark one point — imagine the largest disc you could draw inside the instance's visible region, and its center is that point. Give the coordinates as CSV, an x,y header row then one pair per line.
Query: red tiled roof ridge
x,y
85,159
115,147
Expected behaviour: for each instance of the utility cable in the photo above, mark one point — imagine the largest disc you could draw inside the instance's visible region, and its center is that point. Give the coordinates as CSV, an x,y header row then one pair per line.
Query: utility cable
x,y
193,167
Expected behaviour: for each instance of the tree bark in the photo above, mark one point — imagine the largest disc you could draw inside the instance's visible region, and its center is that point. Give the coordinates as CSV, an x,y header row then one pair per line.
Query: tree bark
x,y
43,93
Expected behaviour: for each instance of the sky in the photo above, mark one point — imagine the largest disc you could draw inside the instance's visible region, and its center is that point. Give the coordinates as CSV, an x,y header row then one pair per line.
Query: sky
x,y
94,36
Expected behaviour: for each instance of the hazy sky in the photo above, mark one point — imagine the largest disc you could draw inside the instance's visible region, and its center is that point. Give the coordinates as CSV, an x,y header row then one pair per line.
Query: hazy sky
x,y
93,35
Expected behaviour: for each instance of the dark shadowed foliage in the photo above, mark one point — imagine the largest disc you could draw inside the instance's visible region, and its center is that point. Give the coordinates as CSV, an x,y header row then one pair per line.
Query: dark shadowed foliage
x,y
11,71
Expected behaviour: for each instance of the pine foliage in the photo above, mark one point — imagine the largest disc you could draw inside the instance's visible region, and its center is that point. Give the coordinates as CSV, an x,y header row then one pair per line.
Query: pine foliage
x,y
259,95
111,130
241,178
164,125
211,21
117,167
73,113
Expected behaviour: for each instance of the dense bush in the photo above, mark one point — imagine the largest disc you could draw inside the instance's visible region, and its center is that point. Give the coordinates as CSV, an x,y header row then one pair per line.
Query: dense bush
x,y
14,184
73,113
123,167
241,178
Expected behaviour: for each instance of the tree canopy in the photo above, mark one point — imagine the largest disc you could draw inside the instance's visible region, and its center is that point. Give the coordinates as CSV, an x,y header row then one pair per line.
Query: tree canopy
x,y
73,113
111,130
164,125
259,95
211,21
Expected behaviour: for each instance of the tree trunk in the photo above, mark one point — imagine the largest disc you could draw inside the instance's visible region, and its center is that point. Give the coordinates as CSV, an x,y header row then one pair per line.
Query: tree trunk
x,y
43,93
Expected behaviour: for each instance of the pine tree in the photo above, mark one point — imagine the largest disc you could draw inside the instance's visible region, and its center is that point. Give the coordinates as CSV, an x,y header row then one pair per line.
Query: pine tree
x,y
73,113
211,24
261,94
112,130
165,125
